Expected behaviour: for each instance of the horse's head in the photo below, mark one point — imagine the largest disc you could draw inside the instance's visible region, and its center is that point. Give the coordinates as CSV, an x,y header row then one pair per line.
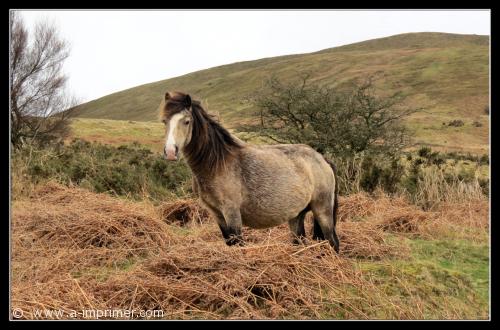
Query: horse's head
x,y
176,114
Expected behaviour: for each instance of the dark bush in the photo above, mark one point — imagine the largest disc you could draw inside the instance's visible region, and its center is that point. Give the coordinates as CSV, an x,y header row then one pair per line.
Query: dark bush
x,y
466,175
391,177
456,123
38,171
371,173
410,182
424,152
484,160
383,173
438,160
418,161
125,170
485,186
481,160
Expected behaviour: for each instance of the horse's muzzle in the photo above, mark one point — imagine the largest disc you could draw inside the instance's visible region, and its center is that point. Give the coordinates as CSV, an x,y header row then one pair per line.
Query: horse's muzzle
x,y
171,152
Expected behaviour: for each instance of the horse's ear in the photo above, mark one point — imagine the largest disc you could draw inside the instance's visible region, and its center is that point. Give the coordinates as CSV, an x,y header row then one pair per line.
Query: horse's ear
x,y
187,101
167,96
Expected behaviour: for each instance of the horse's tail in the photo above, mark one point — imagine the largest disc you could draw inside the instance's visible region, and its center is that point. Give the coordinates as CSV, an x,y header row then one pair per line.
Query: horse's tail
x,y
317,230
336,193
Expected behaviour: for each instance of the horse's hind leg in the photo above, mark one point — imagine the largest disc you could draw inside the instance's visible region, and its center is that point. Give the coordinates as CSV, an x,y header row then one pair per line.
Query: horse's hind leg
x,y
323,218
297,227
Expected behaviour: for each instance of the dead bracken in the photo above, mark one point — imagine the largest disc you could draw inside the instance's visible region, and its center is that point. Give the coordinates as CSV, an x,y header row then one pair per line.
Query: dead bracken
x,y
73,250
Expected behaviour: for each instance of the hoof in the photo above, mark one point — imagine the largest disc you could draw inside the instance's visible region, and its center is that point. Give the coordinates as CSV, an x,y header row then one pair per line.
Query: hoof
x,y
336,247
234,240
298,240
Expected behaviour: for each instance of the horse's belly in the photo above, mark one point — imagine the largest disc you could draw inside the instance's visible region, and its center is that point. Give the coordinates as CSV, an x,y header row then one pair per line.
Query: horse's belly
x,y
259,222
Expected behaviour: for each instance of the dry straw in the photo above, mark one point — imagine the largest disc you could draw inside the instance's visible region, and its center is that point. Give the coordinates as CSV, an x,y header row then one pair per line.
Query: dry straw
x,y
73,250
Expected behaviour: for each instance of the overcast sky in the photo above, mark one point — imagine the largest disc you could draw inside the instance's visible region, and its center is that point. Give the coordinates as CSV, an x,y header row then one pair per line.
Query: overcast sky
x,y
116,50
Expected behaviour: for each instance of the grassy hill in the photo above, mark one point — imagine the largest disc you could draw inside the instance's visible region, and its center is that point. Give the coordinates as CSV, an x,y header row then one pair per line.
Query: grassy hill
x,y
447,74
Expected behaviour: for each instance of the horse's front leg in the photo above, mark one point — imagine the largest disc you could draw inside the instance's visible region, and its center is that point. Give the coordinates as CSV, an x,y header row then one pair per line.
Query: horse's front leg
x,y
234,224
221,221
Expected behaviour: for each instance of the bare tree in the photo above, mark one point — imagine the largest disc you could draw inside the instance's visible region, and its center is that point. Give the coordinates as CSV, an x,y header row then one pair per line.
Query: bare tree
x,y
38,99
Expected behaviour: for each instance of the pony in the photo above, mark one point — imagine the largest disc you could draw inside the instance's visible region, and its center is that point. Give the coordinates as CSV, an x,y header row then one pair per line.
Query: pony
x,y
241,184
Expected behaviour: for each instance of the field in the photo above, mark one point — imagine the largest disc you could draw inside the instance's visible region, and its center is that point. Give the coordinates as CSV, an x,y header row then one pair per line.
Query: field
x,y
119,132
75,250
151,134
445,74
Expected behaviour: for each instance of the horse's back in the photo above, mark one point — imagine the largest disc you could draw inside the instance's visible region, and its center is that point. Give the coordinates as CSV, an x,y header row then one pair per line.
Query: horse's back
x,y
304,157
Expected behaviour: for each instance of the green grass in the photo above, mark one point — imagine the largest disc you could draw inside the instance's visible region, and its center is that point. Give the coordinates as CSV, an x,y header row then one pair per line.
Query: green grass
x,y
467,259
118,132
446,74
443,277
150,135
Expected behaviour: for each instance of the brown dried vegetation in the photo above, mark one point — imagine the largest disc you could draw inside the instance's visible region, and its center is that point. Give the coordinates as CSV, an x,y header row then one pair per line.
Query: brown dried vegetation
x,y
76,250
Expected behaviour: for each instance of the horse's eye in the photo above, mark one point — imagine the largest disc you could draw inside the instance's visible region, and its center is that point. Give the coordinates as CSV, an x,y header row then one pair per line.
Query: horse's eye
x,y
186,122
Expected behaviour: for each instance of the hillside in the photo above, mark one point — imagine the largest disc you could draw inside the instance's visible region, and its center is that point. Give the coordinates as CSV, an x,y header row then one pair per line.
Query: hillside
x,y
446,74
